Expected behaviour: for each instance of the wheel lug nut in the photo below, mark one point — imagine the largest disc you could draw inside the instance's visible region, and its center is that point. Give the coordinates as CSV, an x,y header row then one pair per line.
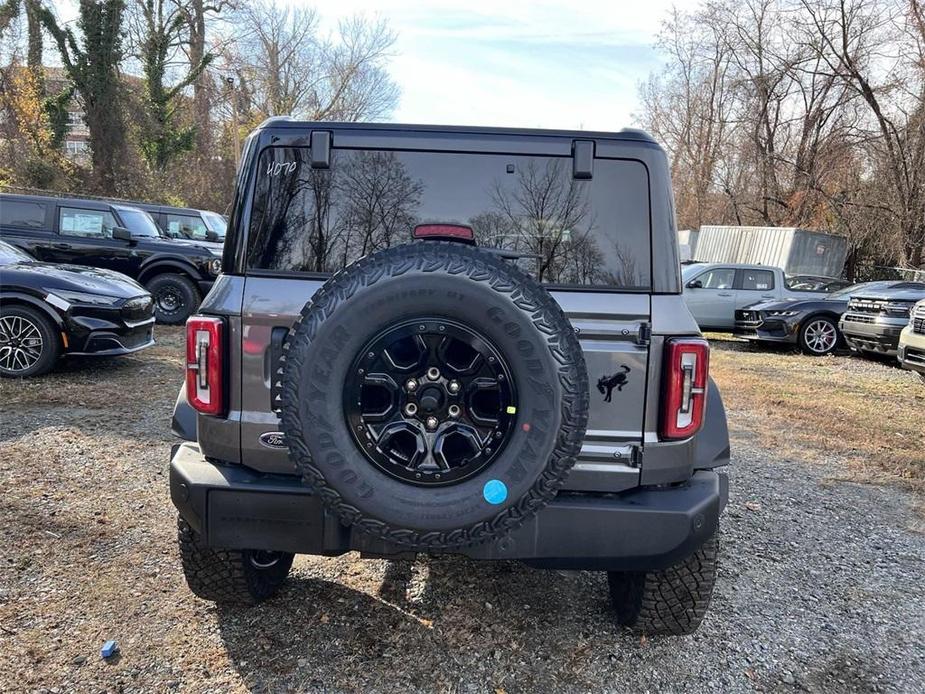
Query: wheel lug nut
x,y
431,422
411,409
454,410
454,386
411,384
433,373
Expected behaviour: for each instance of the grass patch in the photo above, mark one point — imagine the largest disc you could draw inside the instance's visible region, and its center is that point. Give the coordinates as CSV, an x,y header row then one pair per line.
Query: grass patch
x,y
862,412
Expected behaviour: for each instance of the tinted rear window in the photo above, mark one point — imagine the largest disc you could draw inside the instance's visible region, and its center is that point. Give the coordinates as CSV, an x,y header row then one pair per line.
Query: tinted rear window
x,y
18,213
586,233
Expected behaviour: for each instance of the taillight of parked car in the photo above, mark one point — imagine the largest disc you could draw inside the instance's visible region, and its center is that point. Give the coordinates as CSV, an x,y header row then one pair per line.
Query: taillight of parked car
x,y
684,396
204,364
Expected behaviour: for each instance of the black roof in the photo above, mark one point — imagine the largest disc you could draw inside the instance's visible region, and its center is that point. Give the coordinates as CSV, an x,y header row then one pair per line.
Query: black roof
x,y
287,122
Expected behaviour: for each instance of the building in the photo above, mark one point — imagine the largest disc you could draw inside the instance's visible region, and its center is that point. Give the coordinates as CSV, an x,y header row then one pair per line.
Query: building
x,y
77,140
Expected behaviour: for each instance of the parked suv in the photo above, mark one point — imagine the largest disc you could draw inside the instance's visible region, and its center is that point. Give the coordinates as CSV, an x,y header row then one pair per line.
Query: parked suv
x,y
186,223
488,356
875,319
116,237
912,341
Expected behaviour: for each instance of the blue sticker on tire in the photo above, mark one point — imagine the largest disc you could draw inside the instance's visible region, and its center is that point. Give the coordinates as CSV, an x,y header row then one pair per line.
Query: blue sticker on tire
x,y
495,492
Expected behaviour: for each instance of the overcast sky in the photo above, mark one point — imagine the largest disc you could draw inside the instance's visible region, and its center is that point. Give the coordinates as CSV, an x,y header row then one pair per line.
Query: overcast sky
x,y
511,62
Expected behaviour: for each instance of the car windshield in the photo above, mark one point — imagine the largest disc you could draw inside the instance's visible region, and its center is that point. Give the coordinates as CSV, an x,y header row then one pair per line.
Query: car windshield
x,y
215,222
138,222
11,254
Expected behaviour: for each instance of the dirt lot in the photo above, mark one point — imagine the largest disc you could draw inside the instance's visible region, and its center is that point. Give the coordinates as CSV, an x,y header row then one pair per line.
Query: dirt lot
x,y
820,588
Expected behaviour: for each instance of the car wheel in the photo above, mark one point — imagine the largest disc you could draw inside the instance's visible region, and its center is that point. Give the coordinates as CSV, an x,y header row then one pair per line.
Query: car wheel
x,y
434,396
175,298
819,336
29,344
672,602
236,577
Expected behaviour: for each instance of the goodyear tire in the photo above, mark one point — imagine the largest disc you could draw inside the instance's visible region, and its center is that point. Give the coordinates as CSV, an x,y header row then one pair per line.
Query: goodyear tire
x,y
410,313
672,602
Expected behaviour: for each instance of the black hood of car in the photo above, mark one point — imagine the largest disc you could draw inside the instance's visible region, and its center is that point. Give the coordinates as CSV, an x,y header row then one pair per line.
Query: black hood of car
x,y
76,278
892,295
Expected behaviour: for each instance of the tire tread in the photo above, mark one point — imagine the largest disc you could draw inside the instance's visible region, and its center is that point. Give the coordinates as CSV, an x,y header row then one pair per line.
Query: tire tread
x,y
226,576
669,602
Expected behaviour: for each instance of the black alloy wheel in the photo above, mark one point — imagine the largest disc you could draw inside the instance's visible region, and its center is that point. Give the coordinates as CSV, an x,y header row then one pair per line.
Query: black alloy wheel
x,y
29,345
430,401
175,298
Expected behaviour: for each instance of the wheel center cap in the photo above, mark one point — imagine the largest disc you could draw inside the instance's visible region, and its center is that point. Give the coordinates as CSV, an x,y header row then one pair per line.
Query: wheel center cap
x,y
431,399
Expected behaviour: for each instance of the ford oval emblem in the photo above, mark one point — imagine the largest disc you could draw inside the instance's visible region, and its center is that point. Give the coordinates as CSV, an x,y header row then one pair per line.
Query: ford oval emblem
x,y
273,439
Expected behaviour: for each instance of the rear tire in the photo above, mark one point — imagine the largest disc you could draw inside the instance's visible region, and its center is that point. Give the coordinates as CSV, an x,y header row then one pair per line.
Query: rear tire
x,y
175,298
235,577
672,602
25,332
819,336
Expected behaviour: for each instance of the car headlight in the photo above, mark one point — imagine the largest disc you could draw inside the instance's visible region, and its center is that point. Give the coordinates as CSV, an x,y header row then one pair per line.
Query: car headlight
x,y
898,308
780,314
71,297
215,266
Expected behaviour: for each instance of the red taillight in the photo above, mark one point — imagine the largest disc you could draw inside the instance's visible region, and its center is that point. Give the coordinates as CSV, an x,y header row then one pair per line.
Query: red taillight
x,y
204,352
684,396
450,232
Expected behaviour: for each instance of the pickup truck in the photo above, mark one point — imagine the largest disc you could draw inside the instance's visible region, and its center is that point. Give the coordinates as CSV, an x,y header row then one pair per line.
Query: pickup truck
x,y
715,291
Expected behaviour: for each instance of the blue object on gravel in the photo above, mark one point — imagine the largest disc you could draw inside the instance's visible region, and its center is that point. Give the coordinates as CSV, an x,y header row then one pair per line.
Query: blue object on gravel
x,y
109,649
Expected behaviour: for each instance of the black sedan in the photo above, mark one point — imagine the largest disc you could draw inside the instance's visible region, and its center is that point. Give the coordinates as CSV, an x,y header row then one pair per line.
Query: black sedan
x,y
48,310
810,324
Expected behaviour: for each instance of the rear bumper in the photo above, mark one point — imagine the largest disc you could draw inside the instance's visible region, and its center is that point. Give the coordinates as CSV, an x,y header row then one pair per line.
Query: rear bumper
x,y
233,507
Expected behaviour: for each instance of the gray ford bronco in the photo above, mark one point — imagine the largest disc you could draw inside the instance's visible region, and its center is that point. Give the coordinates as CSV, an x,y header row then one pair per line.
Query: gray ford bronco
x,y
452,340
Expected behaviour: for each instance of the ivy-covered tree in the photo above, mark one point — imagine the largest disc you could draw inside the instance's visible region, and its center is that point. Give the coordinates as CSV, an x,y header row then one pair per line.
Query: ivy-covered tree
x,y
161,29
91,62
53,105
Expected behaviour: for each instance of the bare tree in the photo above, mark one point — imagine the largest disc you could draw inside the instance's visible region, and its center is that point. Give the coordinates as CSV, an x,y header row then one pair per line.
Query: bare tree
x,y
891,83
197,14
796,112
545,213
293,70
377,202
688,108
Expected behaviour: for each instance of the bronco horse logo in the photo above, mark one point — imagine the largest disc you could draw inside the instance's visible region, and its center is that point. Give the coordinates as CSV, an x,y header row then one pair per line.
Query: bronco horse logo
x,y
606,384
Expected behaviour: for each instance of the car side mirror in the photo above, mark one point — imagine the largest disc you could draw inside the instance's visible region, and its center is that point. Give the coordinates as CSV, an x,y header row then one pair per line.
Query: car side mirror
x,y
695,284
211,236
122,234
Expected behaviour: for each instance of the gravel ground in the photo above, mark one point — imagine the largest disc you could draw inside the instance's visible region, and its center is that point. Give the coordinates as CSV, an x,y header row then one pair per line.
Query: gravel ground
x,y
820,587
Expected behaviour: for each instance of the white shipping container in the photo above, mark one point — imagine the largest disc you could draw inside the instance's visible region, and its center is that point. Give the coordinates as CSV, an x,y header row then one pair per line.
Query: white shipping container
x,y
795,251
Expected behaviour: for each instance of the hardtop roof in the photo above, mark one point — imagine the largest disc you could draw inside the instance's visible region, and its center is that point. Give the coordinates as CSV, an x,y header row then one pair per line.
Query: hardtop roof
x,y
289,123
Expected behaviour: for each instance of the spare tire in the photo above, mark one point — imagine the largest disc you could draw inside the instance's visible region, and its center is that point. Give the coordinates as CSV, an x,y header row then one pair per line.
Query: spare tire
x,y
433,395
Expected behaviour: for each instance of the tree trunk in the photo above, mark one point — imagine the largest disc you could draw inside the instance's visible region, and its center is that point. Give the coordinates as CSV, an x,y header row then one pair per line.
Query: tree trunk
x,y
34,56
201,91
